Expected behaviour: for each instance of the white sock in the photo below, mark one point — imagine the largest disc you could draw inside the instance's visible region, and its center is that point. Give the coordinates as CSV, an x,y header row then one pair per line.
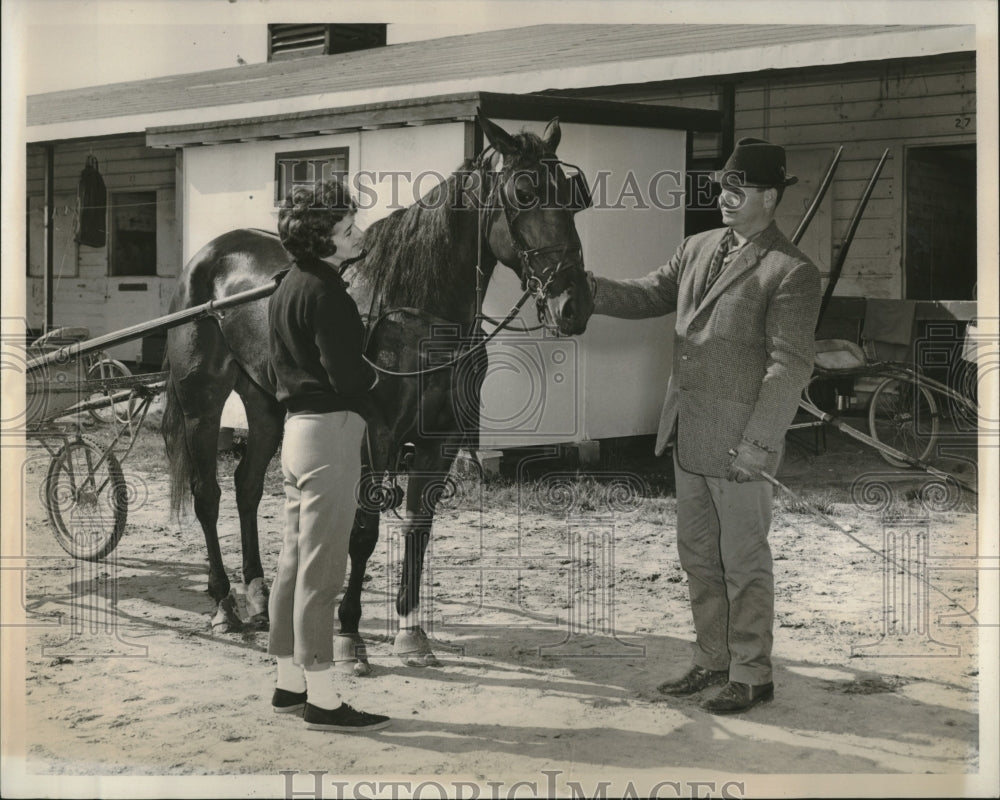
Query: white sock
x,y
411,620
290,677
319,685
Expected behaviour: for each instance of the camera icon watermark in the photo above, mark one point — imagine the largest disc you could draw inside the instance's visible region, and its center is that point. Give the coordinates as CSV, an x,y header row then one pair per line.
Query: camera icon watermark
x,y
47,389
516,389
86,508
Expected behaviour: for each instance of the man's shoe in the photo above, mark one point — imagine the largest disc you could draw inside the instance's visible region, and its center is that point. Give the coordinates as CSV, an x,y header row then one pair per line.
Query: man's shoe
x,y
696,679
736,697
285,702
343,719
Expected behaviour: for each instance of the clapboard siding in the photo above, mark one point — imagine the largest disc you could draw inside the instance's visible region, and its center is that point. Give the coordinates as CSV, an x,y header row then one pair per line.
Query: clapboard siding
x,y
929,126
125,163
864,107
888,105
84,293
903,79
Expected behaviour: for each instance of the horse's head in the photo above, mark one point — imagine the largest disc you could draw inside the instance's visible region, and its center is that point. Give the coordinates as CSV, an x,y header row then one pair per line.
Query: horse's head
x,y
530,227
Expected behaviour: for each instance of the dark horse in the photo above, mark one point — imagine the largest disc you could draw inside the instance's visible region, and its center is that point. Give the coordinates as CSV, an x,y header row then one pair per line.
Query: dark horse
x,y
508,206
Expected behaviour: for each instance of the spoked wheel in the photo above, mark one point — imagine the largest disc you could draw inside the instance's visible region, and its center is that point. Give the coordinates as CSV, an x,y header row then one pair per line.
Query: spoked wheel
x,y
904,416
87,499
104,369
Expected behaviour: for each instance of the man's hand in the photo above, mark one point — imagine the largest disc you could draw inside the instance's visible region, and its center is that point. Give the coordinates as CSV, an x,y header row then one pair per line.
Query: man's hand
x,y
748,461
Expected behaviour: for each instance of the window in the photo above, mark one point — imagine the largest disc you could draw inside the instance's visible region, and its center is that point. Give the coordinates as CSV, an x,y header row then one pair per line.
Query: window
x,y
133,233
941,222
307,167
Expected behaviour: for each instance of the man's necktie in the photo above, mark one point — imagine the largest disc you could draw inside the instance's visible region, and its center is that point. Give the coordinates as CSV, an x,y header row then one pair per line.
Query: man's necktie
x,y
718,259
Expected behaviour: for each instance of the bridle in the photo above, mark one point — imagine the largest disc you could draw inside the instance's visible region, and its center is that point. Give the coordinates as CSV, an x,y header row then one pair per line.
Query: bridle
x,y
535,282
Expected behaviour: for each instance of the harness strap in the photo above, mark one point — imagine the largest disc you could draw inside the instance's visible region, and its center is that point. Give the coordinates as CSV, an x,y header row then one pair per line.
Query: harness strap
x,y
481,343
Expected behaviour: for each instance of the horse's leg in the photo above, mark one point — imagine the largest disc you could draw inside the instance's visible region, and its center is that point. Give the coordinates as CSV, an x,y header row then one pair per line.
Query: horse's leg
x,y
265,424
348,646
201,390
424,486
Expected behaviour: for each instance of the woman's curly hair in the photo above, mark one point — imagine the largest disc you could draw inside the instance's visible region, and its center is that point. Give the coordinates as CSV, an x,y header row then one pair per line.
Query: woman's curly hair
x,y
308,215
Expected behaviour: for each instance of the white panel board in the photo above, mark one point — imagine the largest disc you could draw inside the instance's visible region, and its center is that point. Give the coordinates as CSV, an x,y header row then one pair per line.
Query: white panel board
x,y
397,166
231,186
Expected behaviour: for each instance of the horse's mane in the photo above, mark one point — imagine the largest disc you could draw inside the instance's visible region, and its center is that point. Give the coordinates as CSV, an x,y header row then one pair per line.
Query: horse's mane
x,y
409,255
413,256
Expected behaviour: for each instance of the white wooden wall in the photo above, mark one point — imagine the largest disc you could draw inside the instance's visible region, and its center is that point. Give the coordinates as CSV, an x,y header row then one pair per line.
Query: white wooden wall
x,y
866,108
85,294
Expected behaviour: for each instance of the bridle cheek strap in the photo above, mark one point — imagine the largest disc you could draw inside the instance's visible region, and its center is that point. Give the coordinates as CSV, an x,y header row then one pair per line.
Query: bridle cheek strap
x,y
537,282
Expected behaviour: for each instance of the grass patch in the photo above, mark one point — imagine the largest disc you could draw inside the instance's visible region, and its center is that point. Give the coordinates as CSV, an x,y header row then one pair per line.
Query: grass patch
x,y
822,500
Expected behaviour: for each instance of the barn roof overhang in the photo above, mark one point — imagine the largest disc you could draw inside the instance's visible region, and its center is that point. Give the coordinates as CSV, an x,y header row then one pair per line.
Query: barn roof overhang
x,y
432,110
527,60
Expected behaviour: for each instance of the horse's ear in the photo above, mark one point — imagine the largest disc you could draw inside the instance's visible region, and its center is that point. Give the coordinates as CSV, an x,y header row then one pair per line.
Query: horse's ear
x,y
553,134
497,136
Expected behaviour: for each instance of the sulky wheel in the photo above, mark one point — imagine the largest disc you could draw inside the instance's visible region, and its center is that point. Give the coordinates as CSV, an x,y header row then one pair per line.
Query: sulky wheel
x,y
87,499
904,416
103,369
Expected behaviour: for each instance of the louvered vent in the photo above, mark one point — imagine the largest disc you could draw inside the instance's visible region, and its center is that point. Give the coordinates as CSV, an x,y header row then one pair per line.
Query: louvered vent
x,y
295,40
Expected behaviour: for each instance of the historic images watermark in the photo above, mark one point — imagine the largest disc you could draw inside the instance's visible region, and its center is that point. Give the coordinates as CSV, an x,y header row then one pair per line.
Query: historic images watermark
x,y
392,190
962,356
321,784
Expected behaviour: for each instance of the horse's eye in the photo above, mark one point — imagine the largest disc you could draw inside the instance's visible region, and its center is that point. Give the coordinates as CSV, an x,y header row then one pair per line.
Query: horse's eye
x,y
524,191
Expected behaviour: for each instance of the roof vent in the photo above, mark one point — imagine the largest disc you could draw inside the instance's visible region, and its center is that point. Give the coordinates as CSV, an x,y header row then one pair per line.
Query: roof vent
x,y
295,40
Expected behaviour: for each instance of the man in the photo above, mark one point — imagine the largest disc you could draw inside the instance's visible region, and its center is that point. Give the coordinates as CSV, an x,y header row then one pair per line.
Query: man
x,y
747,301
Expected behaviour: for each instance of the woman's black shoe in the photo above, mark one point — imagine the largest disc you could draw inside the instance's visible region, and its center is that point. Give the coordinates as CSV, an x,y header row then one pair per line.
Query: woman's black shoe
x,y
343,719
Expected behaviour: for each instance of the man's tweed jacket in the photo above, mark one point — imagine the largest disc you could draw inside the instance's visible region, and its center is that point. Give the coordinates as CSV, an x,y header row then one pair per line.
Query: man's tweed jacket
x,y
743,350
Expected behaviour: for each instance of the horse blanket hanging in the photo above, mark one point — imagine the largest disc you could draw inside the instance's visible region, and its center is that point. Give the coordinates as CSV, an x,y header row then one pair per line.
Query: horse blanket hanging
x,y
91,206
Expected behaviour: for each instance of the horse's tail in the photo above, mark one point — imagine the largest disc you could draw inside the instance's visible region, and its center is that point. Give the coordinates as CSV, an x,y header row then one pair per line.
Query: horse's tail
x,y
175,439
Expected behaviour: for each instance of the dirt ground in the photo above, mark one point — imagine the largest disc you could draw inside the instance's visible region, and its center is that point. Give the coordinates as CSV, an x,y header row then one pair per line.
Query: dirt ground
x,y
555,615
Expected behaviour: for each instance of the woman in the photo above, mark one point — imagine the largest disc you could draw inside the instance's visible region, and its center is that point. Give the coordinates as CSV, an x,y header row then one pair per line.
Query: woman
x,y
321,378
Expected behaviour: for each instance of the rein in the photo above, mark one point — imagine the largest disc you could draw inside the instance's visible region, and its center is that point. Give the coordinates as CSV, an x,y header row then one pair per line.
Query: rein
x,y
451,362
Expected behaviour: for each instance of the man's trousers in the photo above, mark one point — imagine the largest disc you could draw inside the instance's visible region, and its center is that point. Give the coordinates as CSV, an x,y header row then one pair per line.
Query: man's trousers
x,y
722,531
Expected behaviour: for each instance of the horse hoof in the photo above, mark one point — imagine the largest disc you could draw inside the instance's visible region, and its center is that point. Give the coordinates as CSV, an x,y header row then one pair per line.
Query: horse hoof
x,y
259,622
227,616
257,597
413,648
350,655
362,669
420,660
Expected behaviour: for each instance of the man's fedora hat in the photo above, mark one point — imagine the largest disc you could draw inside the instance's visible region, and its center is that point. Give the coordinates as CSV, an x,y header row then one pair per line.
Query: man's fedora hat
x,y
756,164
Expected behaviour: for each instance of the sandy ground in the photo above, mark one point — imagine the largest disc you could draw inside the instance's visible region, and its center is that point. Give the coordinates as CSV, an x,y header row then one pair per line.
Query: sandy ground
x,y
554,617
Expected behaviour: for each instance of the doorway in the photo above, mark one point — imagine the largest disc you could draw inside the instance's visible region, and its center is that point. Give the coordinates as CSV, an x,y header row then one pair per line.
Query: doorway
x,y
940,252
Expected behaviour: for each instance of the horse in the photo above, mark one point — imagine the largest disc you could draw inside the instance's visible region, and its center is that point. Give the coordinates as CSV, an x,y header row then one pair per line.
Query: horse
x,y
423,268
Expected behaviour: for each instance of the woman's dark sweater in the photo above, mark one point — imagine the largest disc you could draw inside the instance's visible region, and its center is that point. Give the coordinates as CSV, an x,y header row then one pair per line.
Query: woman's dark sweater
x,y
316,340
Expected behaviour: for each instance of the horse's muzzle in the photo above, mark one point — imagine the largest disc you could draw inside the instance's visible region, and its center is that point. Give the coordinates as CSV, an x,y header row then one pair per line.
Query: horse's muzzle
x,y
567,314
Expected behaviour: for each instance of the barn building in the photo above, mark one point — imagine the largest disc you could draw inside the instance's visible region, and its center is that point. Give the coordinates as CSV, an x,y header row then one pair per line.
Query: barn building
x,y
184,158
